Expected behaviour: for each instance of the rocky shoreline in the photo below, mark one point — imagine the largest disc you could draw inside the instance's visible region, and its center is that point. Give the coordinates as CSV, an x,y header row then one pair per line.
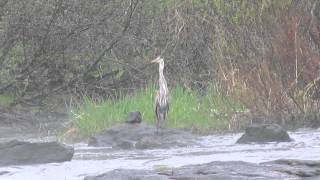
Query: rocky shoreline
x,y
137,136
277,170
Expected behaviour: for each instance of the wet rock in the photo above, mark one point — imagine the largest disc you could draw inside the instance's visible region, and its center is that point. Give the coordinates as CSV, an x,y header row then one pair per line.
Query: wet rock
x,y
239,170
4,172
226,170
134,117
23,153
129,174
141,136
263,133
300,168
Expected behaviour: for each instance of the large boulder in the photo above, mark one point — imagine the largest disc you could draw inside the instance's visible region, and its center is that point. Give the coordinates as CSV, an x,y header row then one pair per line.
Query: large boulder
x,y
141,136
278,170
24,153
263,133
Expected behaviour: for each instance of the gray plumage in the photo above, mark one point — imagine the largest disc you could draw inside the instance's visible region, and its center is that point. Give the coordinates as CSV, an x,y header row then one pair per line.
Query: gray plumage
x,y
162,97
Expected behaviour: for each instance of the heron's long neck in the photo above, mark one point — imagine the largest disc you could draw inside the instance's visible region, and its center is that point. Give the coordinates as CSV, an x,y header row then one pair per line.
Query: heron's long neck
x,y
162,81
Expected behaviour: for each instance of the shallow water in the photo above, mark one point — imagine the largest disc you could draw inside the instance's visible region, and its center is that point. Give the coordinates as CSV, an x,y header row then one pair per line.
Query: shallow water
x,y
92,161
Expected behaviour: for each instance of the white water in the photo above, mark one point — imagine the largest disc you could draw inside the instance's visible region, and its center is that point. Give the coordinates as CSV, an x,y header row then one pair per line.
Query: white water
x,y
93,161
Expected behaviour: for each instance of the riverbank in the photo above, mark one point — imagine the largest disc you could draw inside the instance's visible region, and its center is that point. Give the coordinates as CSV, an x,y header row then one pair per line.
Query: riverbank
x,y
188,110
92,161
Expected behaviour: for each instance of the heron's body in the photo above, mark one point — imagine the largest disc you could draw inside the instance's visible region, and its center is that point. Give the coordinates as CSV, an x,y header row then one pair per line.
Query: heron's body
x,y
162,97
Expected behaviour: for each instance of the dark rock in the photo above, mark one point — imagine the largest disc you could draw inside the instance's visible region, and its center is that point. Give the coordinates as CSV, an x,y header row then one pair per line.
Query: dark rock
x,y
264,133
225,170
23,153
134,117
282,169
300,168
141,136
129,174
4,172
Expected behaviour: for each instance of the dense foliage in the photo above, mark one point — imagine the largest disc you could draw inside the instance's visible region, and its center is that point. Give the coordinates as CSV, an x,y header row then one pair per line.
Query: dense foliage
x,y
264,53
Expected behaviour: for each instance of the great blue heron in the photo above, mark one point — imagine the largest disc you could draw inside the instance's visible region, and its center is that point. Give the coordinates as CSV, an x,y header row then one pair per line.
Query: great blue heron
x,y
162,96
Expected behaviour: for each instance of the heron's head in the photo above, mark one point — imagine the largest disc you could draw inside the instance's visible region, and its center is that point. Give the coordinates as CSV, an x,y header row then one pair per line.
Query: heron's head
x,y
158,60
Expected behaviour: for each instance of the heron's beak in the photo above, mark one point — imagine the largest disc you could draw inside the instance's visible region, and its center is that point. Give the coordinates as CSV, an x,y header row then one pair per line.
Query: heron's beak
x,y
156,60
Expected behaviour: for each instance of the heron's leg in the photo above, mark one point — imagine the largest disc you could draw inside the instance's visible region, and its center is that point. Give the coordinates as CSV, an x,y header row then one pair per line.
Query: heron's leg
x,y
157,127
161,128
160,131
162,124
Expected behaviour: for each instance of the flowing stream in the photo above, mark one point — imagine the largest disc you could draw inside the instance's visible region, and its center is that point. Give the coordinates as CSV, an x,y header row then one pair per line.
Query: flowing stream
x,y
93,161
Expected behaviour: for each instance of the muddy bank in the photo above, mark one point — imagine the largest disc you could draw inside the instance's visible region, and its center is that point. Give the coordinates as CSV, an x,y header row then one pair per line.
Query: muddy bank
x,y
280,169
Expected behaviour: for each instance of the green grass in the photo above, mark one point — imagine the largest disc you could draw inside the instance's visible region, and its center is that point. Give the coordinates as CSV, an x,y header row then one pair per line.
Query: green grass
x,y
90,116
6,100
188,110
